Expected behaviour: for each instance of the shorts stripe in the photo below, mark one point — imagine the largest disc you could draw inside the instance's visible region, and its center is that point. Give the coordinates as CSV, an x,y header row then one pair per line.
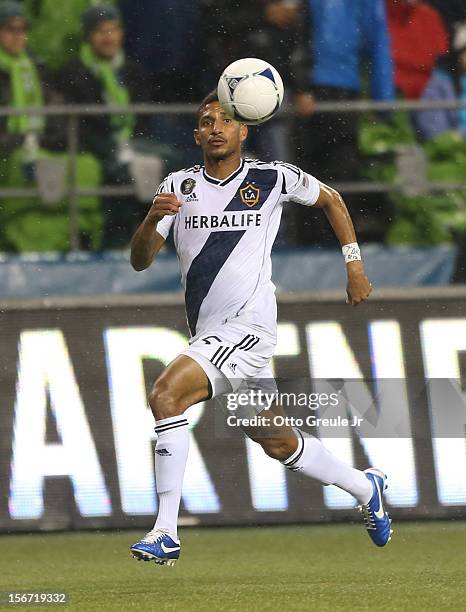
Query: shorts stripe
x,y
217,357
244,344
216,353
231,350
251,345
223,350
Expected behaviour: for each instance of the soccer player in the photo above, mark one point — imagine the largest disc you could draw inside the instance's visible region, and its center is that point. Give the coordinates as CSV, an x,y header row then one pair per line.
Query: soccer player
x,y
225,216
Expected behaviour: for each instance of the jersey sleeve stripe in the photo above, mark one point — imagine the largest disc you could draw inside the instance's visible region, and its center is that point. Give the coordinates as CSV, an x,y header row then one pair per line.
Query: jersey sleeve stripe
x,y
162,187
283,184
291,167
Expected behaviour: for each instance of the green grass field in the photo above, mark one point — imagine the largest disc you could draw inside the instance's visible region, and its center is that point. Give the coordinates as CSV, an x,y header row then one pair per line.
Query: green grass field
x,y
332,567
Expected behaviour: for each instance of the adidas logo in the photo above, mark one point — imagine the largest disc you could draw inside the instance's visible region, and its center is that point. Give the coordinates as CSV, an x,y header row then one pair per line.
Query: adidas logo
x,y
192,198
232,367
163,452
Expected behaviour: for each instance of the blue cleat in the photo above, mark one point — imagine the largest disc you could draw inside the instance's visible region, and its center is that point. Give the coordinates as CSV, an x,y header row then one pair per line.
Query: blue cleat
x,y
157,546
378,523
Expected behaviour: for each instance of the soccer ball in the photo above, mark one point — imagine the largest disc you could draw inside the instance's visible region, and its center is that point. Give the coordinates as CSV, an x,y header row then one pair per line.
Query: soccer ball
x,y
250,90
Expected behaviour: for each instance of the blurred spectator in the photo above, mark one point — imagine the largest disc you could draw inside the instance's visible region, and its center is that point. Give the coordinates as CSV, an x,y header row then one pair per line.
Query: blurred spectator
x,y
273,30
455,87
448,82
453,13
56,34
103,75
460,48
165,37
21,85
22,137
344,34
419,37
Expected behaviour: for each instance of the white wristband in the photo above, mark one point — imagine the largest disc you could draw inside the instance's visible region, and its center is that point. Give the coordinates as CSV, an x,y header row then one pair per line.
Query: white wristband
x,y
351,252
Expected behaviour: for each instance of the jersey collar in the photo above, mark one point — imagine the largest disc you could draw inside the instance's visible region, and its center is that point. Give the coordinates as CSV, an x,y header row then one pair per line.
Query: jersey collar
x,y
225,181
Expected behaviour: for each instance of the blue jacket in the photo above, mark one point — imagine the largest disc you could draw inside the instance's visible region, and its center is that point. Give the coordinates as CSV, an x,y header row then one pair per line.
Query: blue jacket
x,y
343,32
441,86
434,122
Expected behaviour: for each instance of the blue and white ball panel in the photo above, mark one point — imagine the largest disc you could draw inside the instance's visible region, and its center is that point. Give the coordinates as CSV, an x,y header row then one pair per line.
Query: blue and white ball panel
x,y
250,90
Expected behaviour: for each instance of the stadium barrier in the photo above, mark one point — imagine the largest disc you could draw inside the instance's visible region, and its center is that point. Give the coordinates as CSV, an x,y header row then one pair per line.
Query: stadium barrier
x,y
83,274
77,436
73,112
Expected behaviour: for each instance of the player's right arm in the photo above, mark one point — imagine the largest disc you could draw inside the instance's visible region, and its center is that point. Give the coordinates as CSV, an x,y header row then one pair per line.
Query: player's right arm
x,y
147,241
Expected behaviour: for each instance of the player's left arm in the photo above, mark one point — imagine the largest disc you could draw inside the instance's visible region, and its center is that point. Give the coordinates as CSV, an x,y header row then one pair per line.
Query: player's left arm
x,y
358,288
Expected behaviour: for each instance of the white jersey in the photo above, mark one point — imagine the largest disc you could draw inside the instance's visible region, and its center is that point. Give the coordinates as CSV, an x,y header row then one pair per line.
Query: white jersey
x,y
224,233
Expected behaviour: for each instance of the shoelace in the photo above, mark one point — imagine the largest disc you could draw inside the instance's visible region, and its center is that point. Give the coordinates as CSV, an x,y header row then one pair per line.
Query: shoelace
x,y
152,537
367,516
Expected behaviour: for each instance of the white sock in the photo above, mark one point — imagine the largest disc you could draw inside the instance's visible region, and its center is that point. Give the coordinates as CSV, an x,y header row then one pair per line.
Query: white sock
x,y
171,454
313,459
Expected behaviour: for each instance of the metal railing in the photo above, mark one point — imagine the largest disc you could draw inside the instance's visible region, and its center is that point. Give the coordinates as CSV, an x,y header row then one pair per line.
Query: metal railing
x,y
74,111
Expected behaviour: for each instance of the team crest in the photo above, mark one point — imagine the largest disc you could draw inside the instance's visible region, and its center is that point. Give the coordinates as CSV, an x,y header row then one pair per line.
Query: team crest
x,y
250,195
187,186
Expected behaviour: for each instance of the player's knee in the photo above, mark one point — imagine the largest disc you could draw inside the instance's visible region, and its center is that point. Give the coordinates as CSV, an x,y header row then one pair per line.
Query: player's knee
x,y
163,400
277,448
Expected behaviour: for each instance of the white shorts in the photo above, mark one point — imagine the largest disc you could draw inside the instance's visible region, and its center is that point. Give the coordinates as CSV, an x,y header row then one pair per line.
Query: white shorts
x,y
235,356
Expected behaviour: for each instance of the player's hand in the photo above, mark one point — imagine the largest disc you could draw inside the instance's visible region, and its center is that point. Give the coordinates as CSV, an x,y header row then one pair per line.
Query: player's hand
x,y
358,288
162,205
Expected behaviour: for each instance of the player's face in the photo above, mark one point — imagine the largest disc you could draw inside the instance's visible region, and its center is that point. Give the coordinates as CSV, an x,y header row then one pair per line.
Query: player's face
x,y
107,39
219,136
13,35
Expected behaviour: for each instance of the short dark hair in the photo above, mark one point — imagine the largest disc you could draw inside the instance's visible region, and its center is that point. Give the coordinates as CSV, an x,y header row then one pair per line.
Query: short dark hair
x,y
210,97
